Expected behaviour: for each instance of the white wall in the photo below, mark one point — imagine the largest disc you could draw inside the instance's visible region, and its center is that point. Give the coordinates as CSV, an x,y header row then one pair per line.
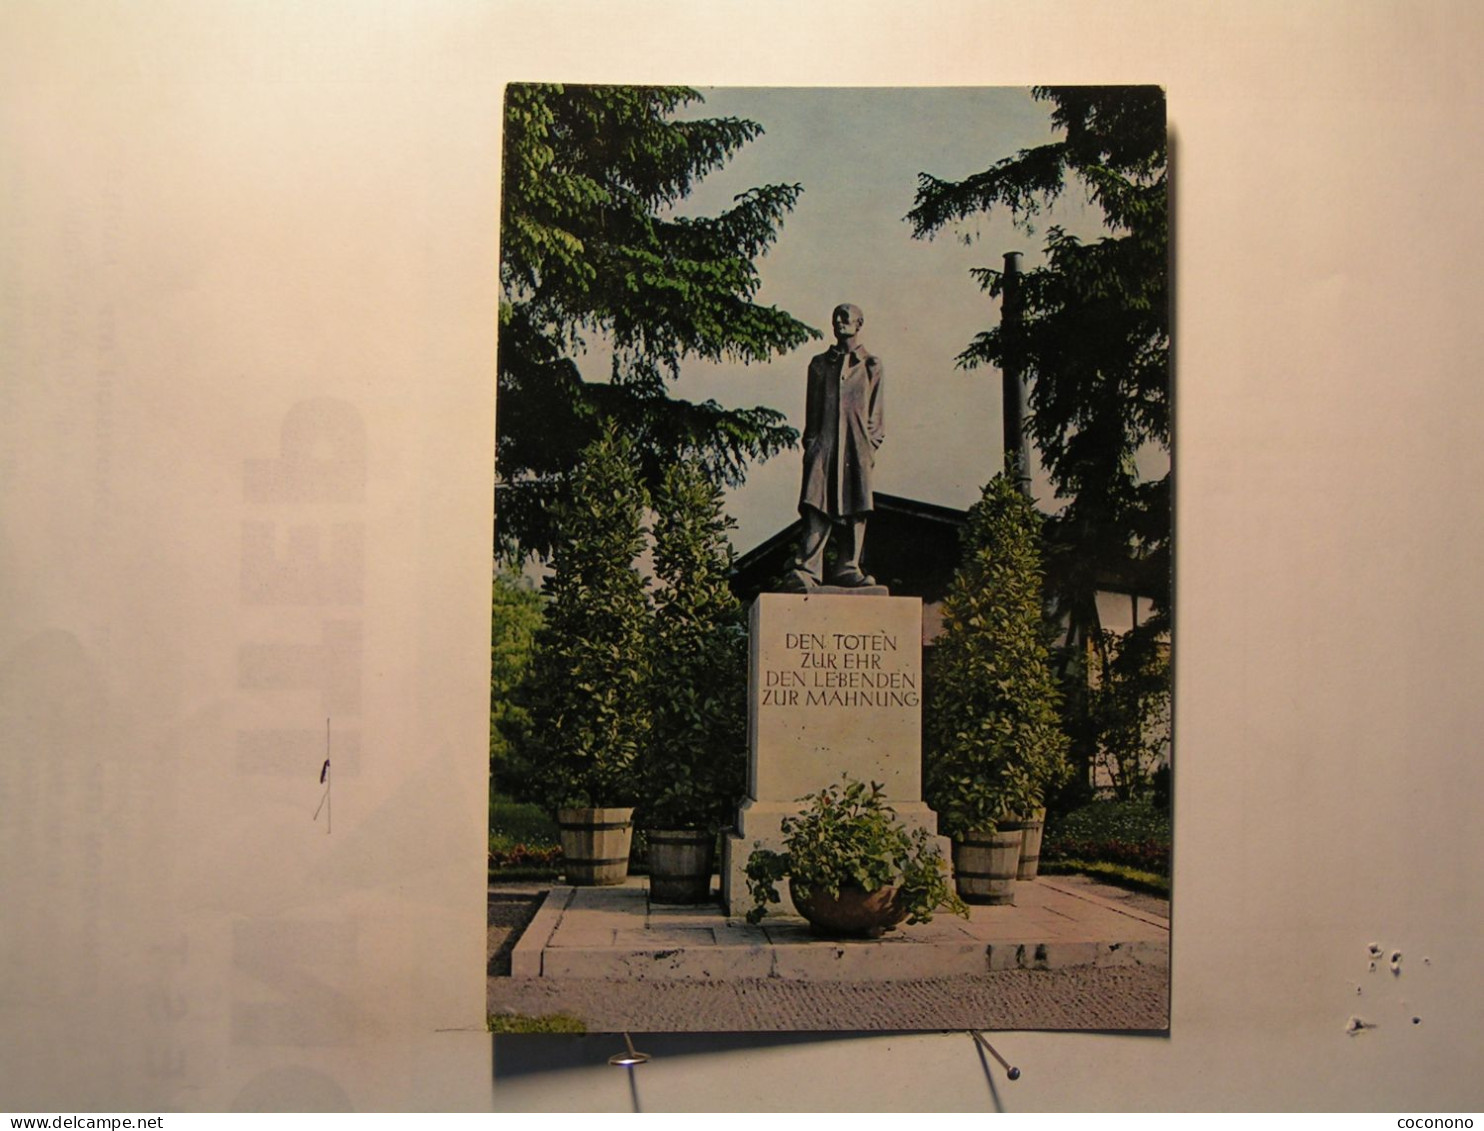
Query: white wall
x,y
247,252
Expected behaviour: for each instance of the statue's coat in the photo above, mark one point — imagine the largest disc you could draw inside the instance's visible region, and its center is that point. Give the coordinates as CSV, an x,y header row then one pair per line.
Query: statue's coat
x,y
844,424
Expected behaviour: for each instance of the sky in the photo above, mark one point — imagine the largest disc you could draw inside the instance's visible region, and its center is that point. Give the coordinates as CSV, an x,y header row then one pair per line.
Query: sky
x,y
858,153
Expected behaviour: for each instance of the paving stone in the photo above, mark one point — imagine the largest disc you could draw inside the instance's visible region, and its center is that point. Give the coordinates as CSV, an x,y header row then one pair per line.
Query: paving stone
x,y
1006,956
1043,955
780,931
946,927
525,958
1141,952
655,938
693,964
1080,893
614,900
1056,955
614,934
730,934
571,936
869,961
601,920
668,915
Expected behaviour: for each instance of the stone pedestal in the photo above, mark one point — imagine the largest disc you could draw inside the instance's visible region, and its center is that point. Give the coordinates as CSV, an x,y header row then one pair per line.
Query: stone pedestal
x,y
835,688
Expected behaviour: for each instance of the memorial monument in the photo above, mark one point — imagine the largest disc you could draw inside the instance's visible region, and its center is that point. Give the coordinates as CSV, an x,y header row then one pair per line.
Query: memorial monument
x,y
834,670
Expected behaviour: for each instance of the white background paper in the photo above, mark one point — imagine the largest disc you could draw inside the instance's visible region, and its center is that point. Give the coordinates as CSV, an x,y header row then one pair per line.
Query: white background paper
x,y
247,298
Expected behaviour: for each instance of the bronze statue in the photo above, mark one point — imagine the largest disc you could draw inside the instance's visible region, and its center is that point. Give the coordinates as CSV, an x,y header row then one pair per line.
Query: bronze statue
x,y
844,424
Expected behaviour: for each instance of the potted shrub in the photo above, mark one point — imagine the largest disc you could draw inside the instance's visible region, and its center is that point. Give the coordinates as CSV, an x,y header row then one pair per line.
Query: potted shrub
x,y
993,736
587,717
852,867
694,768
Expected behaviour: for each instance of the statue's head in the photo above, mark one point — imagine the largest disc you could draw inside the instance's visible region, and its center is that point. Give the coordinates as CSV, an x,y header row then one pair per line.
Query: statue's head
x,y
847,320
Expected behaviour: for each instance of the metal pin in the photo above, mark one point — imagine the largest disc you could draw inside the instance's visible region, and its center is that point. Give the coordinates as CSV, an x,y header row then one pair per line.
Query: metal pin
x,y
1010,1070
325,780
631,1057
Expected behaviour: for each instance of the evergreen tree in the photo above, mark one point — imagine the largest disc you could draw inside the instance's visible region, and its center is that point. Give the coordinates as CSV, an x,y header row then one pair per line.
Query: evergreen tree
x,y
1095,340
591,244
993,733
586,689
696,767
1094,348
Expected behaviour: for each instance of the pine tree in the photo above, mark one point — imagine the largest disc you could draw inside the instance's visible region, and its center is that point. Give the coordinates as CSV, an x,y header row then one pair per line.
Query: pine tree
x,y
1096,334
1094,347
586,689
994,738
695,770
591,245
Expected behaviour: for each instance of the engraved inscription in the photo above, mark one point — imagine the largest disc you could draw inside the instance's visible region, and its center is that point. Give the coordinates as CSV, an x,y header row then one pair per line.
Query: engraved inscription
x,y
841,670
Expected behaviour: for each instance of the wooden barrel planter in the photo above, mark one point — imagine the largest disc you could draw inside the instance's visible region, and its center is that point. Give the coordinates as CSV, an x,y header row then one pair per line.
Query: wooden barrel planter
x,y
1030,849
1031,829
595,845
680,865
985,865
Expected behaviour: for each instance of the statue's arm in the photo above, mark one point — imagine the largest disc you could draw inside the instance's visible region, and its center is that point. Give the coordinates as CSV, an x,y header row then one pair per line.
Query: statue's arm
x,y
876,424
813,409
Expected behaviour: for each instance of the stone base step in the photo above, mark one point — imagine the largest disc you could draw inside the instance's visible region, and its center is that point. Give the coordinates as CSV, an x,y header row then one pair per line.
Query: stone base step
x,y
616,934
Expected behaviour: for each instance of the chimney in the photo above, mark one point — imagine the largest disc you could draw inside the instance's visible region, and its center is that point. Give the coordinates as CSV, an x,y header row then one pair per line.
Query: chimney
x,y
1012,392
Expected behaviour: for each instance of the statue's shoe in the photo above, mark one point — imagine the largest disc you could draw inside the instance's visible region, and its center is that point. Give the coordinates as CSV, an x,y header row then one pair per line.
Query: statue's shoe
x,y
853,579
797,582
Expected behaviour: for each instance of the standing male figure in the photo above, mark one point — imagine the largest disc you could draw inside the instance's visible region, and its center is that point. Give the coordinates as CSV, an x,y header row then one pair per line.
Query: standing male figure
x,y
844,424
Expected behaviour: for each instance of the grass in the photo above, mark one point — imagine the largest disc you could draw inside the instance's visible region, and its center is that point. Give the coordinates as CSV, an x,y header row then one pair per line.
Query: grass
x,y
546,1023
518,822
1134,879
1122,841
523,842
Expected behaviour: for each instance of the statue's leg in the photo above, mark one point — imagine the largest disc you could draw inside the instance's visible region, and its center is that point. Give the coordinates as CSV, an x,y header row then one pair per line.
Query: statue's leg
x,y
809,566
853,540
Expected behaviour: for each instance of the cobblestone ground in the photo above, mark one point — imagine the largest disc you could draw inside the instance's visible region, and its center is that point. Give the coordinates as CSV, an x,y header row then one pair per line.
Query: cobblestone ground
x,y
1082,997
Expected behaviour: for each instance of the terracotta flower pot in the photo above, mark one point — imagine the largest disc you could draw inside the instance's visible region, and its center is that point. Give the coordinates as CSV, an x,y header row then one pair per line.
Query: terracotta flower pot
x,y
854,913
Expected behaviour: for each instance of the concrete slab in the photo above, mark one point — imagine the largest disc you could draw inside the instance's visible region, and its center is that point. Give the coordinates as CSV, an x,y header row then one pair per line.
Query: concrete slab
x,y
694,964
663,937
615,934
525,959
877,960
571,933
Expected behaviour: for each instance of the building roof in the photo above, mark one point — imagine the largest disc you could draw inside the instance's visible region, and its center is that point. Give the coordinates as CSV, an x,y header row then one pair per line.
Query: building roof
x,y
913,548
